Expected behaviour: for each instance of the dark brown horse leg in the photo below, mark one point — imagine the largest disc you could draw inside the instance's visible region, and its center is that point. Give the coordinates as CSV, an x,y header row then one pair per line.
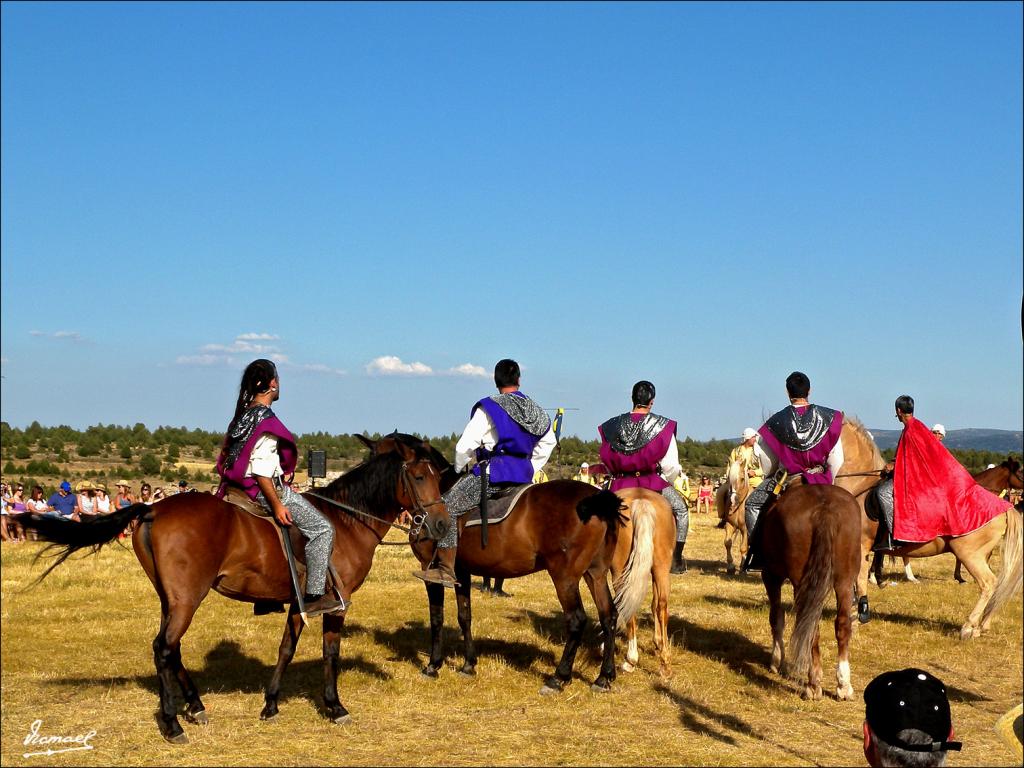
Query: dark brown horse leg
x,y
292,630
776,618
195,711
167,643
609,618
435,594
336,712
575,624
462,599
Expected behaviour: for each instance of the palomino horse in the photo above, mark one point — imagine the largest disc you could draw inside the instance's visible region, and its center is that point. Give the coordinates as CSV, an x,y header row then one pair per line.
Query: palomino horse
x,y
730,500
973,549
565,527
811,536
1004,478
645,545
193,542
861,471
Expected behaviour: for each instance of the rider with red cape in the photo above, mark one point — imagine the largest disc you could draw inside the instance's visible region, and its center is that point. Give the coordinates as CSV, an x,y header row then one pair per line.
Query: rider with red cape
x,y
930,494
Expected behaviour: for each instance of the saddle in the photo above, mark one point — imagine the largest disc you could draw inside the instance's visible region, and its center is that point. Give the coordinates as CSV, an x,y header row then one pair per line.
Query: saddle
x,y
240,499
498,506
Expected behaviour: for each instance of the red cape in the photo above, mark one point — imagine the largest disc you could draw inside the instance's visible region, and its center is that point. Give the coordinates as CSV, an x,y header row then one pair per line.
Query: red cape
x,y
934,495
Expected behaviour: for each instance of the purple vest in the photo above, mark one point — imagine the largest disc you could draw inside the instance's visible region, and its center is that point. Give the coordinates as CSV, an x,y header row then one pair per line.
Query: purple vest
x,y
510,457
235,474
795,461
640,469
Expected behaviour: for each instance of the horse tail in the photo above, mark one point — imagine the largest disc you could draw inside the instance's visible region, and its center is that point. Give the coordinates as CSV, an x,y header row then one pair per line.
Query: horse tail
x,y
809,599
67,537
1011,576
631,586
604,505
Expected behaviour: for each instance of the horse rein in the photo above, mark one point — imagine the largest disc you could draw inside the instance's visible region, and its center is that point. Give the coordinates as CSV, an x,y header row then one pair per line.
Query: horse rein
x,y
419,507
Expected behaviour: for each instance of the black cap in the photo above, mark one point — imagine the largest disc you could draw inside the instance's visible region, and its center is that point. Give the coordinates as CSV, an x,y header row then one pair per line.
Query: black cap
x,y
909,698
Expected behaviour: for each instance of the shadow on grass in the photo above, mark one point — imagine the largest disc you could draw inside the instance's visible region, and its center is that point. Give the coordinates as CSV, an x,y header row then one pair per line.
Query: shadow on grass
x,y
411,642
228,670
732,649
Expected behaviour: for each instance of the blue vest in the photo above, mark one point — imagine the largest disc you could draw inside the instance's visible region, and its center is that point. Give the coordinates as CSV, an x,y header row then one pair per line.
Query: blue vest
x,y
510,457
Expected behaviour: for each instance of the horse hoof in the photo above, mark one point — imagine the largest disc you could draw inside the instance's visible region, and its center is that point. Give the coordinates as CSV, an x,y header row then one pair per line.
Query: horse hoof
x,y
552,685
601,686
730,571
966,633
179,740
774,669
467,672
811,694
845,694
198,718
628,667
345,719
268,717
429,671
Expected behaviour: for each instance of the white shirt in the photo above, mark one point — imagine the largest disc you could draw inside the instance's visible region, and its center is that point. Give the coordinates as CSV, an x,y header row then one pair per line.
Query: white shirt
x,y
481,432
264,461
669,464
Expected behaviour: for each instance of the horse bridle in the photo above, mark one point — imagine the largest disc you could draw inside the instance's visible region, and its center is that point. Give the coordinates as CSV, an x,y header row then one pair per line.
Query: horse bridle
x,y
419,508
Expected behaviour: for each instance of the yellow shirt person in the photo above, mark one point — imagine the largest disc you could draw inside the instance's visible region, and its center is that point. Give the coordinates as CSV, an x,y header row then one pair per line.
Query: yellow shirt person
x,y
583,475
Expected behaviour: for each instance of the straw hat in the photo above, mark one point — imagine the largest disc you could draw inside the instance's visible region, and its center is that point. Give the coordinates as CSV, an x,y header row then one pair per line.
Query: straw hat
x,y
84,485
123,484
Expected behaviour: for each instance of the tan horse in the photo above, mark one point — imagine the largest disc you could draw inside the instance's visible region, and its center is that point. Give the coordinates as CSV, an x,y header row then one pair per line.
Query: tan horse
x,y
644,545
973,549
731,510
860,472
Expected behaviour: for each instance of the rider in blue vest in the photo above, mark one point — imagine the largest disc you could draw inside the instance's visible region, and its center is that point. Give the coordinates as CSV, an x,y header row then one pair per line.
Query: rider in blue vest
x,y
509,434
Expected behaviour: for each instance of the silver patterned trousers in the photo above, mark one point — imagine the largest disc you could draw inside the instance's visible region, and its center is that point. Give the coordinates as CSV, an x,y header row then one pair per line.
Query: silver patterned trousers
x,y
461,498
318,531
682,512
756,501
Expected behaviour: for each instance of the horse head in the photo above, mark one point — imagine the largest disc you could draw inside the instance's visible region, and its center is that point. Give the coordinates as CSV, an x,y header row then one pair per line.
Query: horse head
x,y
1016,477
421,479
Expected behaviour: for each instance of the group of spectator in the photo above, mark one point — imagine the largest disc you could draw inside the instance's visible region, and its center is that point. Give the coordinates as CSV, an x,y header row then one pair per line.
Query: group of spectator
x,y
83,502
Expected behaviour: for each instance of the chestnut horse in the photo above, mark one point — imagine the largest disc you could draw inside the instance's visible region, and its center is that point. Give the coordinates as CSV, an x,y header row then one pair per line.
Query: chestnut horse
x,y
973,549
565,527
811,536
194,542
645,545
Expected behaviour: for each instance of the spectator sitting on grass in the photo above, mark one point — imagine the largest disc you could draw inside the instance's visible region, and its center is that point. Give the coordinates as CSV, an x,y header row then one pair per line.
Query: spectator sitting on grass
x,y
907,720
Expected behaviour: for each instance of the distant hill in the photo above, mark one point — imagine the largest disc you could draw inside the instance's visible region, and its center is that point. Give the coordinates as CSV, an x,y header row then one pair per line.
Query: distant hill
x,y
998,440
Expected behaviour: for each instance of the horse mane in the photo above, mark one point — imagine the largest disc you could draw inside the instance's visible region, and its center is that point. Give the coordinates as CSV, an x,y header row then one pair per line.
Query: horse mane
x,y
864,436
422,449
370,486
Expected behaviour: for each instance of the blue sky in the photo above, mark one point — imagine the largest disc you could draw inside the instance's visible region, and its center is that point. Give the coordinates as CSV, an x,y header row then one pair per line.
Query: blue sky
x,y
388,198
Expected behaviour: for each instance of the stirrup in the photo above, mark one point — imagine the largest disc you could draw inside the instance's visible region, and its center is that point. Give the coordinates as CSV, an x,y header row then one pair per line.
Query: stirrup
x,y
436,576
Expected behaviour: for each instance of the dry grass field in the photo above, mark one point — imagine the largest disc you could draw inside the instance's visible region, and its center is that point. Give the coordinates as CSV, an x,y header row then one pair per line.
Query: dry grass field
x,y
76,655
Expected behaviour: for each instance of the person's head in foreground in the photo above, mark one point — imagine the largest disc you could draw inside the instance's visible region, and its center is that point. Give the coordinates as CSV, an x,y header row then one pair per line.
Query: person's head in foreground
x,y
907,720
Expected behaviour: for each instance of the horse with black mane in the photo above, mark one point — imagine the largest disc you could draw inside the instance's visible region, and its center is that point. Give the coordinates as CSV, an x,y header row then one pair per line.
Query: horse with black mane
x,y
191,543
565,527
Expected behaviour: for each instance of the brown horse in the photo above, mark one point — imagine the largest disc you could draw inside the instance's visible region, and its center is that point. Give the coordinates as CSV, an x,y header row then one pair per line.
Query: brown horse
x,y
194,542
973,549
732,510
645,545
811,536
565,527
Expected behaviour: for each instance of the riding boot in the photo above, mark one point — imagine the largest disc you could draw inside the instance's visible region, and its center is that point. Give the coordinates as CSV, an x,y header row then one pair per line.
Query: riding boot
x,y
439,573
318,604
678,563
752,560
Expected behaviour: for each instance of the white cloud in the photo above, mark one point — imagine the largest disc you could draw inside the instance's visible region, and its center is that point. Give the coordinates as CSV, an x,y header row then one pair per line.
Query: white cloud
x,y
467,369
389,365
73,336
258,337
241,351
